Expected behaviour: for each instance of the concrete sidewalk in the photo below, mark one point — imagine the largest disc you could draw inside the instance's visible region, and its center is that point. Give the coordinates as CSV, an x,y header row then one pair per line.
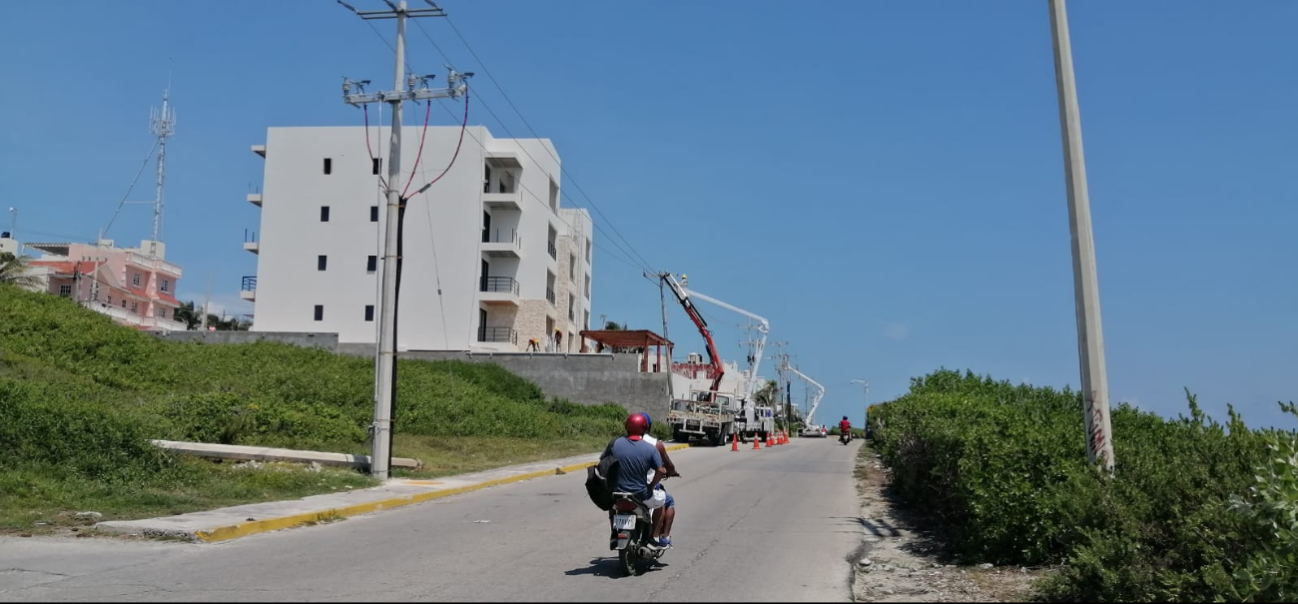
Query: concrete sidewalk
x,y
243,520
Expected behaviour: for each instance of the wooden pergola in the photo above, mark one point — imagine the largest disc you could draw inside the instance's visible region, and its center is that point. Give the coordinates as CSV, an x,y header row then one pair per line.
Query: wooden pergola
x,y
632,338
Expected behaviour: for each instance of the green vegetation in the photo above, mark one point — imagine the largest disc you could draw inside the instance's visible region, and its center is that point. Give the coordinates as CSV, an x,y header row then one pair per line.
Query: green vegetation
x,y
81,396
1195,510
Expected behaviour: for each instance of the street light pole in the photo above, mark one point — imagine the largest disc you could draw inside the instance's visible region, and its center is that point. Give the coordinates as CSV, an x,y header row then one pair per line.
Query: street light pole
x,y
1090,337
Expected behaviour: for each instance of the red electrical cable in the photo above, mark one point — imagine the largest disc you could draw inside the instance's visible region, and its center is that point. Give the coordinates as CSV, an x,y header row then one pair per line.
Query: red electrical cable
x,y
464,126
429,109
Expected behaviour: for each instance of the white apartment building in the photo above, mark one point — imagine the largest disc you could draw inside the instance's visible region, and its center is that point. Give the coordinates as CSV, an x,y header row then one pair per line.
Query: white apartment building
x,y
490,259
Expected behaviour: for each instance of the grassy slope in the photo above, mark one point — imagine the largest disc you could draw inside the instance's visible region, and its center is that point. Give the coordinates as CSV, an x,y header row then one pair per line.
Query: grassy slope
x,y
79,397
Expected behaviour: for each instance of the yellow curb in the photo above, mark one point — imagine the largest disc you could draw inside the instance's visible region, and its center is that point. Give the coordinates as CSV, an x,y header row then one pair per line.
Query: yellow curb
x,y
245,529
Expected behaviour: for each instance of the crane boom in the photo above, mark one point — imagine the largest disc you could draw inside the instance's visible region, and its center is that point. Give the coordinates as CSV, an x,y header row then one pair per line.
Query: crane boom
x,y
763,326
815,398
684,298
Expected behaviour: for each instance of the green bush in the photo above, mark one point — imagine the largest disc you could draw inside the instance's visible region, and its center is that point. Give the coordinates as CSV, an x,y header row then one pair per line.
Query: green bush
x,y
1003,470
1270,515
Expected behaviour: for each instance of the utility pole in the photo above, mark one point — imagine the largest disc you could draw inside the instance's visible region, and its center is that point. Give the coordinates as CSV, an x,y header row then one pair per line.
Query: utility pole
x,y
662,300
1090,338
203,324
386,350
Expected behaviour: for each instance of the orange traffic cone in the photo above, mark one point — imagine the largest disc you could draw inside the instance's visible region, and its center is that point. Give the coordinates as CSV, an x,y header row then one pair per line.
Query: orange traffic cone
x,y
783,437
770,439
734,444
755,441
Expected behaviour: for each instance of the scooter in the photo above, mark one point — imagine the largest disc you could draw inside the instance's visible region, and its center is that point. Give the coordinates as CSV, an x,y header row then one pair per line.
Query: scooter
x,y
845,437
632,528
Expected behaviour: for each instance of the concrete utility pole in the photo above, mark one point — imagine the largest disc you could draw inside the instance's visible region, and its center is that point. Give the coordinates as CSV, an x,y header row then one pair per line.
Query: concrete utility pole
x,y
1086,288
386,352
662,300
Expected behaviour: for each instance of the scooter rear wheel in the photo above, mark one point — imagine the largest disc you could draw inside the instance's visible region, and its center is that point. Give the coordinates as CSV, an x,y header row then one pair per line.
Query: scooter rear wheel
x,y
627,559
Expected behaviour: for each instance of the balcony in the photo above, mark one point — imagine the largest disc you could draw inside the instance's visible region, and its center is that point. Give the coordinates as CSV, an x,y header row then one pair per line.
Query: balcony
x,y
259,150
252,246
498,290
503,201
498,334
248,290
150,262
254,199
502,243
549,295
554,251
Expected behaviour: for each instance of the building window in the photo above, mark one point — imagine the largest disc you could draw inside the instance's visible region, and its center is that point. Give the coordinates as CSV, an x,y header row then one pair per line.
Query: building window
x,y
162,313
319,312
324,213
123,303
554,196
164,285
376,163
321,262
369,312
374,213
371,264
65,290
328,165
486,178
135,279
587,251
135,308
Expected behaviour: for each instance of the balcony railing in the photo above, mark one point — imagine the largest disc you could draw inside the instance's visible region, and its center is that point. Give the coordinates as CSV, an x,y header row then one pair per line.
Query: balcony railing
x,y
497,334
502,236
549,294
249,284
499,284
554,251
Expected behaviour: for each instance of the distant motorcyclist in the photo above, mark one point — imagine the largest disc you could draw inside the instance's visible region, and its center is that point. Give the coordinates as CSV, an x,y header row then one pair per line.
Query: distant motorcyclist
x,y
845,427
662,521
640,468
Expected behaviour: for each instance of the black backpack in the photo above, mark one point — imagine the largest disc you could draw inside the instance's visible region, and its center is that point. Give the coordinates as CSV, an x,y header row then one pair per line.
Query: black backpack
x,y
600,479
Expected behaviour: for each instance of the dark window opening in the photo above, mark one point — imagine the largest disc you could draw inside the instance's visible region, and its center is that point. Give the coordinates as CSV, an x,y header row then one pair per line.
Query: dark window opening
x,y
374,213
375,164
369,312
319,312
371,264
324,213
321,262
328,165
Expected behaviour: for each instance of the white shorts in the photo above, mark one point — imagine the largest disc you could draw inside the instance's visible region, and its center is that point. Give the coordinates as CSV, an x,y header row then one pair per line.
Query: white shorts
x,y
658,500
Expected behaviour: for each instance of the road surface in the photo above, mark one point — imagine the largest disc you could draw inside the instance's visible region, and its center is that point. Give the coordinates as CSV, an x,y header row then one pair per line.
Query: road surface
x,y
768,525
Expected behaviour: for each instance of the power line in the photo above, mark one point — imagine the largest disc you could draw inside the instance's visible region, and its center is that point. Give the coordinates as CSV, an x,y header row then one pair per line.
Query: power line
x,y
644,265
565,172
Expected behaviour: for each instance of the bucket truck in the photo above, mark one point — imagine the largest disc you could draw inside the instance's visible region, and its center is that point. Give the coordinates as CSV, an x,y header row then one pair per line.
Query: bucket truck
x,y
809,428
751,421
707,414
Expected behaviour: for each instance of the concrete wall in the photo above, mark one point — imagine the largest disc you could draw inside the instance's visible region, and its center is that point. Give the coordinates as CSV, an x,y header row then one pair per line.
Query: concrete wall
x,y
328,341
588,379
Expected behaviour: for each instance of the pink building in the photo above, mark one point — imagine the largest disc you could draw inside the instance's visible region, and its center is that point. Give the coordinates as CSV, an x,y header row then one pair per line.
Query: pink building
x,y
133,286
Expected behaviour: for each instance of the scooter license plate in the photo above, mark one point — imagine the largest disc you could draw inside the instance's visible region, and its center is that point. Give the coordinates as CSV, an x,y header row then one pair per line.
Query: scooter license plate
x,y
624,521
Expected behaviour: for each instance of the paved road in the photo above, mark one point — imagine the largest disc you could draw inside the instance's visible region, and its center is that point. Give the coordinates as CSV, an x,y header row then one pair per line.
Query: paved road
x,y
769,525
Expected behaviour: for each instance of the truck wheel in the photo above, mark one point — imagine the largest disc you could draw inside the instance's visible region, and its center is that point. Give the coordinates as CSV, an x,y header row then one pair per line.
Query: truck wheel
x,y
679,436
714,439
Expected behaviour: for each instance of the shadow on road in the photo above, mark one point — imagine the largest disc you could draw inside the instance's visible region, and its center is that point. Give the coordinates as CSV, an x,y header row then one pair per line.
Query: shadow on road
x,y
608,568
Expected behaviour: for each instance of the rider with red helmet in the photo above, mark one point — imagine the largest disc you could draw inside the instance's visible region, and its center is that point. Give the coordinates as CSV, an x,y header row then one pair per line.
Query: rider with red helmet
x,y
640,468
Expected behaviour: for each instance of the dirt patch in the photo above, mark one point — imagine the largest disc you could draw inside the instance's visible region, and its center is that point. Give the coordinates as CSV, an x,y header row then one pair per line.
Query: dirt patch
x,y
901,561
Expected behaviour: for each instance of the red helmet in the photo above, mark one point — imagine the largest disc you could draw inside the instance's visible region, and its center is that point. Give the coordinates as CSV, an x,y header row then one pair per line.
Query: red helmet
x,y
636,426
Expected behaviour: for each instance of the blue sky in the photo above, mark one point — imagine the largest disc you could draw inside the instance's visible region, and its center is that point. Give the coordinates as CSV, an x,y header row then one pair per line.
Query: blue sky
x,y
882,180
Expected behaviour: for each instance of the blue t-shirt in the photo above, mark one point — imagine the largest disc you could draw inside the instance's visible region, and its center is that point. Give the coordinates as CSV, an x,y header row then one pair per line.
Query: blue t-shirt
x,y
636,460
